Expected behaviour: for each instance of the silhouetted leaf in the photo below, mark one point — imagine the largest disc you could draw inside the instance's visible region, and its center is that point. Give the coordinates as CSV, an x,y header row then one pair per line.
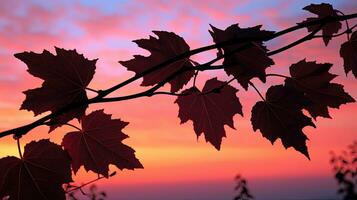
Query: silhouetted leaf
x,y
280,116
248,63
65,75
348,52
168,45
210,111
313,79
100,144
39,175
323,10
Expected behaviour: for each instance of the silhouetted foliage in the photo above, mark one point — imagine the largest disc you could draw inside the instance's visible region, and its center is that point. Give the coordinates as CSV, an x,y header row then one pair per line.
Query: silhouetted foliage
x,y
36,165
98,142
323,10
345,170
242,189
65,75
348,52
94,150
210,111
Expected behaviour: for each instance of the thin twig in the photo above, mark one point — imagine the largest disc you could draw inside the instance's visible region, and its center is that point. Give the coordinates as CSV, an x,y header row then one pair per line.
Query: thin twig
x,y
85,184
67,124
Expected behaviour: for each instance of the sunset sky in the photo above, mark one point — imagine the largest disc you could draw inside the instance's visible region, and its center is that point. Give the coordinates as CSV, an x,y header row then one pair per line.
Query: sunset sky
x,y
177,165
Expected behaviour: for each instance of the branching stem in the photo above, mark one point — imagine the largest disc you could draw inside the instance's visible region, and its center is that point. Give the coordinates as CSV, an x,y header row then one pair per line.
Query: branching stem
x,y
246,43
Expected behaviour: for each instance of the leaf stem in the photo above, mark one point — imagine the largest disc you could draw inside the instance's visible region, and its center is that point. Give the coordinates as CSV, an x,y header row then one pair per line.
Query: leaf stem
x,y
169,93
278,75
73,126
92,90
19,147
347,25
218,89
67,124
339,34
256,89
194,78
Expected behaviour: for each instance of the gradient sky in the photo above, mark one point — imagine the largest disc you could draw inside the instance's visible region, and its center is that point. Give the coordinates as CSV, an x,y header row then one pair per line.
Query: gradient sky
x,y
177,165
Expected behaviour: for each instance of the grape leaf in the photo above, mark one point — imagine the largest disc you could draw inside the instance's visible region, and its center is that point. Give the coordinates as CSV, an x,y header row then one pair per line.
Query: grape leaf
x,y
323,10
99,144
313,79
348,52
65,75
210,111
280,116
168,45
39,175
248,63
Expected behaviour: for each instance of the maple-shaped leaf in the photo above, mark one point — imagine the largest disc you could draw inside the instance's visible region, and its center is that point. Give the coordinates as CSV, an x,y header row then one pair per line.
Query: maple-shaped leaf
x,y
167,46
39,175
280,116
210,111
313,79
249,62
99,144
66,76
348,52
323,10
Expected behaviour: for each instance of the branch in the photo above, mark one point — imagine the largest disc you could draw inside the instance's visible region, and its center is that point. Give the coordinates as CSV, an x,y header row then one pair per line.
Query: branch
x,y
207,66
297,42
19,131
228,43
